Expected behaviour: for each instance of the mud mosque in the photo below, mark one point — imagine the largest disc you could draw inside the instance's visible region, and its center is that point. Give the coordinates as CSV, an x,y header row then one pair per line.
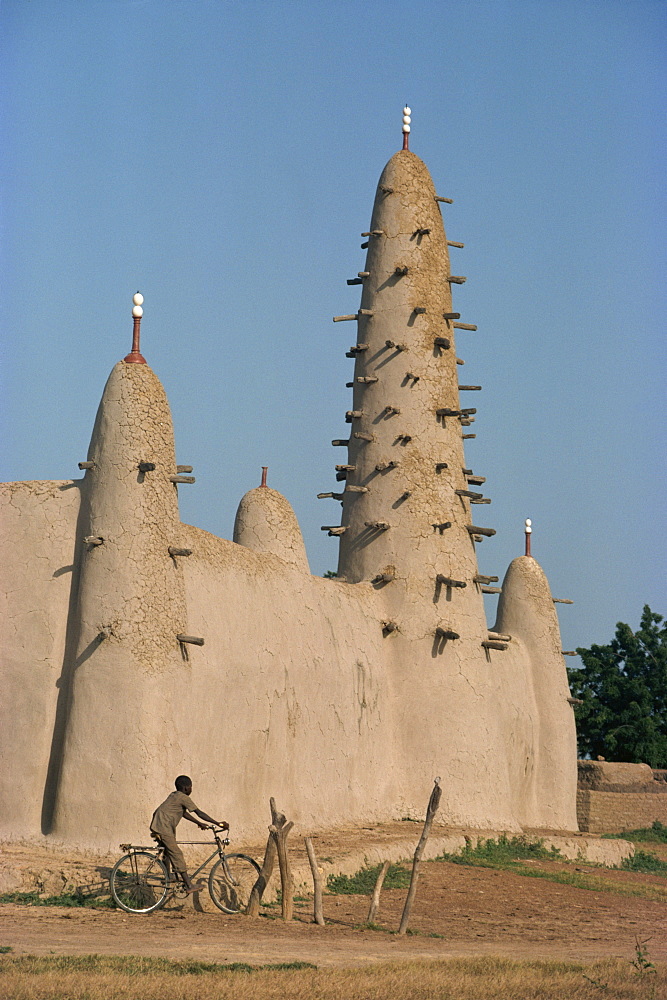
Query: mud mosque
x,y
344,697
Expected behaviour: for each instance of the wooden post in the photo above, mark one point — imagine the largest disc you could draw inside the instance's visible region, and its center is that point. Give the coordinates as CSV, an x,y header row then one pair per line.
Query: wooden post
x,y
318,916
375,898
280,830
252,909
432,809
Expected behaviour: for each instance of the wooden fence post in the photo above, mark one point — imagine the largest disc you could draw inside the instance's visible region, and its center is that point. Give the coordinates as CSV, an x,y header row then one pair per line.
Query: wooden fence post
x,y
375,898
280,829
318,916
433,804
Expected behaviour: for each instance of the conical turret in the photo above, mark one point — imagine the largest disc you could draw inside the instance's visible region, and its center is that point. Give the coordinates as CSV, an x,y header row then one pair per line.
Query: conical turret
x,y
407,499
130,607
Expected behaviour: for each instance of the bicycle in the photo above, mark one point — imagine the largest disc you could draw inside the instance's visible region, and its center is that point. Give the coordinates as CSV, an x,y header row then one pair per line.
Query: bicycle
x,y
141,883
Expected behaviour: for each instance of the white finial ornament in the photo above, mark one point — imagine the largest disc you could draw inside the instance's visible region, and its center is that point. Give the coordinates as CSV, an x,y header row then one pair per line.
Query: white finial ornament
x,y
406,119
529,526
138,301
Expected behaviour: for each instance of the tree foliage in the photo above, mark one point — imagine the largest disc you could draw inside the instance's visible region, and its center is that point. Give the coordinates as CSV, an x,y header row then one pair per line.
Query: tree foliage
x,y
623,687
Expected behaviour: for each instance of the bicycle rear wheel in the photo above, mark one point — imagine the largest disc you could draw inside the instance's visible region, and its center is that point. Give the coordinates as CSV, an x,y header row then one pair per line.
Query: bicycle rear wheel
x,y
231,880
139,882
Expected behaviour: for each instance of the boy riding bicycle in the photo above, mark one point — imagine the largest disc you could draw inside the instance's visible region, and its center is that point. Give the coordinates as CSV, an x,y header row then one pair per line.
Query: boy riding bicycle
x,y
166,818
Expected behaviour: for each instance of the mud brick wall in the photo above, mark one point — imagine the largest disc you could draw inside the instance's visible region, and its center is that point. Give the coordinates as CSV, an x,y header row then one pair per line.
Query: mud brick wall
x,y
612,812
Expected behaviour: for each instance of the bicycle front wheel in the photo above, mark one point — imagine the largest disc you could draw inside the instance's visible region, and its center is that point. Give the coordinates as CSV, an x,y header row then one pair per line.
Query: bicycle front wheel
x,y
139,882
231,880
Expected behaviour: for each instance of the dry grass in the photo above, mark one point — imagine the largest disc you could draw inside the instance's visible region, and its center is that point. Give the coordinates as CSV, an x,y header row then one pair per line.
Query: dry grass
x,y
117,978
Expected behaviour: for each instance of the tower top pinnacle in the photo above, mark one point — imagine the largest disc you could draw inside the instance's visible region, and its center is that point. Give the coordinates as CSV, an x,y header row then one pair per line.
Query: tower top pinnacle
x,y
135,356
528,532
406,127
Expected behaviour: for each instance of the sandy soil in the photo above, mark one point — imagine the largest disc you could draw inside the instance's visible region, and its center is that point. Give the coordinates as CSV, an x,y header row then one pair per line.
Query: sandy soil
x,y
458,911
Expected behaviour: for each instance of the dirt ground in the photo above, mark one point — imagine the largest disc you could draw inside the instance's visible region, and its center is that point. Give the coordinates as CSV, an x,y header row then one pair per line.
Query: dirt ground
x,y
458,911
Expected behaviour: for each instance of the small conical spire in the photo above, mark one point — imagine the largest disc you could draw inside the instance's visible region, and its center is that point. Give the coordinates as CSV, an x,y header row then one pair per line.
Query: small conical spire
x,y
528,531
406,127
135,356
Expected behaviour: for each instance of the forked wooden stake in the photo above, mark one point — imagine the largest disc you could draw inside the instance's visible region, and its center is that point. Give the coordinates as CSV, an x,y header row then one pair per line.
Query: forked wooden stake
x,y
318,916
433,804
280,830
375,898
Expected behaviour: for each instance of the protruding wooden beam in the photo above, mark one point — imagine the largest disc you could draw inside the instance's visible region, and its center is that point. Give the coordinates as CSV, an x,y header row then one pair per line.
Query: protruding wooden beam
x,y
391,411
363,436
365,312
384,578
419,310
183,468
404,438
340,442
181,479
345,468
474,530
86,465
383,466
345,319
561,600
576,701
329,496
449,582
353,415
479,578
377,525
415,378
449,316
193,640
146,466
451,243
366,379
421,232
470,388
466,436
492,644
447,411
469,493
334,529
456,279
374,232
173,551
464,326
355,281
499,636
442,526
357,489
387,190
476,480
442,342
400,272
396,347
459,361
93,540
439,466
491,590
569,652
482,500
446,633
389,627
447,201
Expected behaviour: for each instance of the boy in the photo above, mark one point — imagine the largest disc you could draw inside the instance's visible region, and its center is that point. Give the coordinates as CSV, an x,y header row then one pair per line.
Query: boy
x,y
167,817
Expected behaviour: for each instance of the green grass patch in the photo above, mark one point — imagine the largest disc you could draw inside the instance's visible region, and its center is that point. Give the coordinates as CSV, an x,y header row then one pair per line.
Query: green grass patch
x,y
655,834
503,852
64,899
135,965
508,854
644,861
5,949
363,882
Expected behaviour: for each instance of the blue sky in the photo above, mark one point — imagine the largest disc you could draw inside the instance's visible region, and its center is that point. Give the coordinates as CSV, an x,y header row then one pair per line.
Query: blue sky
x,y
222,157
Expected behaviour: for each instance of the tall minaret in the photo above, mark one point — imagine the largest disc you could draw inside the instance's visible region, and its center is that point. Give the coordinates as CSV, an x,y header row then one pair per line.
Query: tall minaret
x,y
127,672
407,511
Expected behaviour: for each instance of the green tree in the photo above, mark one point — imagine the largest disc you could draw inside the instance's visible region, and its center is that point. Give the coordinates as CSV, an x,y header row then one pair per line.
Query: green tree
x,y
623,688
